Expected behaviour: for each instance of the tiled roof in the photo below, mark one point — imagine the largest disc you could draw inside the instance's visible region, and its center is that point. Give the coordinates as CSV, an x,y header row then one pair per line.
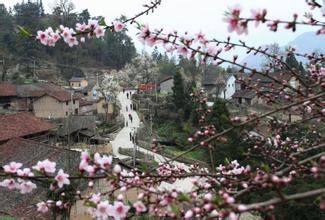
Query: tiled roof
x,y
244,94
7,89
76,79
30,90
76,123
83,102
166,79
29,153
20,125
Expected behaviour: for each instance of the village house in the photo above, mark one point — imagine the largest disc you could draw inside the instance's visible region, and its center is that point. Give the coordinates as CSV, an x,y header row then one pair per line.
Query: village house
x,y
29,152
166,85
147,87
25,125
247,97
78,82
87,107
77,128
56,104
28,93
8,93
219,85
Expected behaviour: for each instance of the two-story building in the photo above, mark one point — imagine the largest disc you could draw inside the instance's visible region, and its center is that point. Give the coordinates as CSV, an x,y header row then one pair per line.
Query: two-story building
x,y
78,82
56,104
219,84
166,85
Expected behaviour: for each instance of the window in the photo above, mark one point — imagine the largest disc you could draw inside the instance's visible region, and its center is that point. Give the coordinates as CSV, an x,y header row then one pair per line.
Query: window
x,y
74,102
66,113
67,102
76,111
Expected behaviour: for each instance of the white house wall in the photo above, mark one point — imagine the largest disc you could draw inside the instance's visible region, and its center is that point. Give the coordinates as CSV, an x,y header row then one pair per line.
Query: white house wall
x,y
230,89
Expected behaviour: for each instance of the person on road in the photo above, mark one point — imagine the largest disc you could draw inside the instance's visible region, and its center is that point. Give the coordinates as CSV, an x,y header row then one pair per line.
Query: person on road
x,y
130,136
127,95
131,106
126,108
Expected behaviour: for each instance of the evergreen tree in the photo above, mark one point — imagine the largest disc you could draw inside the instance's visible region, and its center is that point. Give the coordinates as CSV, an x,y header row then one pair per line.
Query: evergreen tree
x,y
292,62
178,91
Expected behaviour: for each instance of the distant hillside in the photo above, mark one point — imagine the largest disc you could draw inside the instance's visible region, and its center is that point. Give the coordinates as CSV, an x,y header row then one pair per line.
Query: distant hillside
x,y
305,43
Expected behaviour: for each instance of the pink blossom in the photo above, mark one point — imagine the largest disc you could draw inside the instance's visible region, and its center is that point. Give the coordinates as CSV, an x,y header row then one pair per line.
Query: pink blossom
x,y
85,156
119,210
26,187
42,36
117,169
188,214
42,207
82,40
139,207
258,15
81,27
62,178
212,49
99,32
72,41
144,33
232,216
9,183
242,208
67,34
103,210
182,50
95,198
24,172
200,37
233,20
118,26
92,24
90,170
12,167
45,166
83,165
151,40
104,161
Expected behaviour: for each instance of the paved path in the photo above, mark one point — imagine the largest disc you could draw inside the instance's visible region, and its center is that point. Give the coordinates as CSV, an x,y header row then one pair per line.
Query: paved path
x,y
123,140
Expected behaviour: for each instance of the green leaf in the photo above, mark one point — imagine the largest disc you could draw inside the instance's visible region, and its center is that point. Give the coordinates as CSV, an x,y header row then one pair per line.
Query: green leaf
x,y
102,22
184,197
265,167
23,31
174,208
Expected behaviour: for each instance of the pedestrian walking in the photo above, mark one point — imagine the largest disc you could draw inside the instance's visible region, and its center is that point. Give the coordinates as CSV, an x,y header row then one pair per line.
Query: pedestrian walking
x,y
126,124
123,90
131,118
130,136
131,106
133,140
127,95
126,108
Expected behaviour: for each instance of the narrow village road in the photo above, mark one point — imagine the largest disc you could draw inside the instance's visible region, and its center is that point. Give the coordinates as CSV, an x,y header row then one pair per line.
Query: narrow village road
x,y
123,140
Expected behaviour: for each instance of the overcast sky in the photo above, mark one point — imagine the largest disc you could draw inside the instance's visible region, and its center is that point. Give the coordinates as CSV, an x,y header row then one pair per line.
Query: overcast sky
x,y
195,15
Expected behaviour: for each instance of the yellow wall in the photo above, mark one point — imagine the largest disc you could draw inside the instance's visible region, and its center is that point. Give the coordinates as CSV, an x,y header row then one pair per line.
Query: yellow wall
x,y
49,107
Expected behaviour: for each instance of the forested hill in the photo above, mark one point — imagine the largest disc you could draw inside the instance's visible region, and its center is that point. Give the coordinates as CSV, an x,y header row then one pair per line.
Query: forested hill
x,y
113,51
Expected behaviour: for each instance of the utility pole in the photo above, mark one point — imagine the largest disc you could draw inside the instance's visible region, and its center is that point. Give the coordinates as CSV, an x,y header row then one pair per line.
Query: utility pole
x,y
34,69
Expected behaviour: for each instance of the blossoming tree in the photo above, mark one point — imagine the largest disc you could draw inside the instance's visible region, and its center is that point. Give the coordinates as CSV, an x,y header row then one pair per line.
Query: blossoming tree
x,y
292,150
